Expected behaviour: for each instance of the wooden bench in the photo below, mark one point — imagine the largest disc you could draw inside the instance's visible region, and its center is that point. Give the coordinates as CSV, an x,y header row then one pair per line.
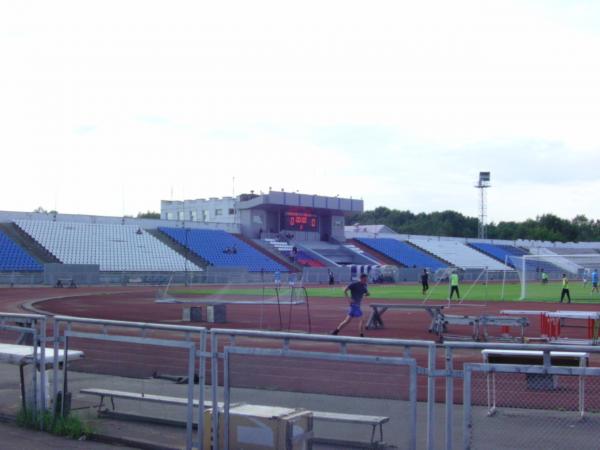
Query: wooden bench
x,y
68,282
373,421
534,381
140,396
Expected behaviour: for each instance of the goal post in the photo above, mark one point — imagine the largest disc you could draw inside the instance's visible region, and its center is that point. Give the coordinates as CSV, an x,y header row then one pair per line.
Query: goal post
x,y
474,282
542,269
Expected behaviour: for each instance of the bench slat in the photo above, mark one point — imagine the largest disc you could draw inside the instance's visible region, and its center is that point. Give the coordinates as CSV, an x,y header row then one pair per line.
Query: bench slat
x,y
145,397
350,418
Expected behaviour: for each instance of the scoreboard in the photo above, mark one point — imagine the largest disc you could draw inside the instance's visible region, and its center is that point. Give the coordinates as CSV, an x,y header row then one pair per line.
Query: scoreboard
x,y
300,221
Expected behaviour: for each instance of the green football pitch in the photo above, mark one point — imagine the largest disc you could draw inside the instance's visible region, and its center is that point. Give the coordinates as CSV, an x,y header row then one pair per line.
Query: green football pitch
x,y
478,292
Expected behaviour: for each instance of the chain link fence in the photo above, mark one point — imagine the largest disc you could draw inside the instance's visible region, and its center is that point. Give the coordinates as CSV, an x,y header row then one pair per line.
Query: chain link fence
x,y
518,407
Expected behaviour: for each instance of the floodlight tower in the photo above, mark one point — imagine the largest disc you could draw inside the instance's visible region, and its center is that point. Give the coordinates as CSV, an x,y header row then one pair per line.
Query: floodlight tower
x,y
482,185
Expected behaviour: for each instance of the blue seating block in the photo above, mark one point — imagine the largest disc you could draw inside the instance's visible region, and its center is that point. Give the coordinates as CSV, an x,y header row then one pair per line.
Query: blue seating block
x,y
14,259
403,253
211,245
508,252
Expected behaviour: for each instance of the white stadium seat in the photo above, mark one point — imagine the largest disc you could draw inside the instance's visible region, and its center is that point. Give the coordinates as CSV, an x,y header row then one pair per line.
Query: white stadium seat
x,y
114,247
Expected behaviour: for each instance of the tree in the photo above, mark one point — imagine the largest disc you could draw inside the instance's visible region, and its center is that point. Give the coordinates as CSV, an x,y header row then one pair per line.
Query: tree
x,y
547,227
148,215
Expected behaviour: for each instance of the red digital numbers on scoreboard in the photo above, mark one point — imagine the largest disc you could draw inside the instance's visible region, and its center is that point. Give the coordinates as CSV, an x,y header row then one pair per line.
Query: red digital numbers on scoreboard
x,y
300,221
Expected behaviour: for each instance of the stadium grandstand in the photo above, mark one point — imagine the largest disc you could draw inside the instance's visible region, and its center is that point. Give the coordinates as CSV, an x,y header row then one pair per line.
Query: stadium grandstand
x,y
262,233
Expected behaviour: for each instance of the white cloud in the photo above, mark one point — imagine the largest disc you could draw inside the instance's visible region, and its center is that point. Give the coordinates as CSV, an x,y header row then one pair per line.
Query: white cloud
x,y
108,106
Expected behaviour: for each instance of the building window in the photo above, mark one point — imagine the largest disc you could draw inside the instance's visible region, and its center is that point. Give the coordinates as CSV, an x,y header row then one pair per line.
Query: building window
x,y
205,215
181,215
193,215
171,216
231,211
218,212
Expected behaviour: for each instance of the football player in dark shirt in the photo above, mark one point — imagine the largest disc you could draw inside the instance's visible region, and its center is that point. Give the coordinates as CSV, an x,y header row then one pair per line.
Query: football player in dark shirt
x,y
425,281
357,291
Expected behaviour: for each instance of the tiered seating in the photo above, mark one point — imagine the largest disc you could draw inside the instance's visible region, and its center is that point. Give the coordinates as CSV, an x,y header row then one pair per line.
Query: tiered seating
x,y
403,253
586,257
302,258
14,259
114,247
509,252
458,254
213,244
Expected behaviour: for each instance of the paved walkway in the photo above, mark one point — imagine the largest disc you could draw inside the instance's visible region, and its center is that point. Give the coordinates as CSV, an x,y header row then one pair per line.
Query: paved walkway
x,y
15,438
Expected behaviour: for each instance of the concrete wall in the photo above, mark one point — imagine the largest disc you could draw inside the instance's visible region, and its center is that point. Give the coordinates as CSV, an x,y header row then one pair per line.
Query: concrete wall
x,y
81,274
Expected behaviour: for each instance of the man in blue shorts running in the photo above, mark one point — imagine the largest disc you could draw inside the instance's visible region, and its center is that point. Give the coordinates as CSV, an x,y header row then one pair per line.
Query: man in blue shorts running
x,y
357,290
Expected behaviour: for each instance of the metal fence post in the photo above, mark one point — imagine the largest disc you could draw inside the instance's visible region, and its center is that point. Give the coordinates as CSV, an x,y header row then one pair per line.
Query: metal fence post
x,y
431,354
189,426
412,397
449,397
467,408
214,382
201,386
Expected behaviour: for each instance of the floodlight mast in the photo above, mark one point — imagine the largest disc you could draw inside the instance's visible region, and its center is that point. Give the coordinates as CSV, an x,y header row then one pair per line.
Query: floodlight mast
x,y
482,184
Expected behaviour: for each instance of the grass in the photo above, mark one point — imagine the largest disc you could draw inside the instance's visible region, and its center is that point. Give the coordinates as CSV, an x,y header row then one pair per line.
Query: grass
x,y
71,426
478,292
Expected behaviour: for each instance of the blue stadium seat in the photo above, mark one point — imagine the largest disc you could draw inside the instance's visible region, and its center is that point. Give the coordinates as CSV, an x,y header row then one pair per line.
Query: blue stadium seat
x,y
508,253
14,259
211,245
403,253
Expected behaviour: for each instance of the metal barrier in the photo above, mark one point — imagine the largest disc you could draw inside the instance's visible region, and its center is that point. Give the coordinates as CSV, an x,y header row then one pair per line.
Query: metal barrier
x,y
193,340
532,384
27,327
515,405
342,343
539,416
308,355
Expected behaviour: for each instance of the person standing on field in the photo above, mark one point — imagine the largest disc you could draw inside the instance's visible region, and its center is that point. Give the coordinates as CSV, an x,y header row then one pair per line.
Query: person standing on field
x,y
595,281
454,286
425,281
565,288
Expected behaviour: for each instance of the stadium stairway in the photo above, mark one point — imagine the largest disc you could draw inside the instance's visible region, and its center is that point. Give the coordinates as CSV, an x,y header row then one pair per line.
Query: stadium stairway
x,y
28,244
433,255
384,260
176,246
270,253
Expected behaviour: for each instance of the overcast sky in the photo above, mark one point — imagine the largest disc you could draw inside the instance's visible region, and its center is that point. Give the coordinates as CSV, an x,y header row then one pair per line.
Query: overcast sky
x,y
107,107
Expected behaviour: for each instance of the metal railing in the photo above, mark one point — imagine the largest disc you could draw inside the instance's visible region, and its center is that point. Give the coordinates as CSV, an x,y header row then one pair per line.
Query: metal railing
x,y
196,352
284,339
480,396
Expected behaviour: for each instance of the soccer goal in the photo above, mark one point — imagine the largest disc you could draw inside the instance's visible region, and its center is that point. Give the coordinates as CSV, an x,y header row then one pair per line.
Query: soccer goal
x,y
538,273
475,283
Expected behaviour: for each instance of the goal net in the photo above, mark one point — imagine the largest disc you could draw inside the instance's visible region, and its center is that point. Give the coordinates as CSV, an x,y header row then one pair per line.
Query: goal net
x,y
475,283
540,276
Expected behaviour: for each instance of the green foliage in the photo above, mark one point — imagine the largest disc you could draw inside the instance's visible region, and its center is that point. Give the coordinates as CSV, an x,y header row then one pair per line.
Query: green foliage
x,y
148,215
547,227
69,426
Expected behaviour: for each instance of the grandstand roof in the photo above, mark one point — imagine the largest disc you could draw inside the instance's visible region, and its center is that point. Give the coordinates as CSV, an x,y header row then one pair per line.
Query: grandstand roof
x,y
277,199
